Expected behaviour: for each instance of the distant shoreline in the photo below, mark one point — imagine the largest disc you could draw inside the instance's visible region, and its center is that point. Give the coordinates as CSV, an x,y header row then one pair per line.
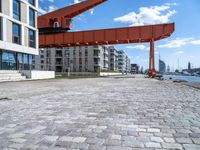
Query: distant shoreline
x,y
191,81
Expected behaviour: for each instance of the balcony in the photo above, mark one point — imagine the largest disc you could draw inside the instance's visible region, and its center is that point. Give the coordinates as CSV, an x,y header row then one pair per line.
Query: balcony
x,y
97,55
59,63
59,55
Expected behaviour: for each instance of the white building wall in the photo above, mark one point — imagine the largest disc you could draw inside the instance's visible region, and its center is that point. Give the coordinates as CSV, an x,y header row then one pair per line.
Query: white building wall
x,y
7,15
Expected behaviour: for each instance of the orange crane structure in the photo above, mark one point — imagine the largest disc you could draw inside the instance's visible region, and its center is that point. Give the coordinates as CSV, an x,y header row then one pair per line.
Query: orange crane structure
x,y
54,26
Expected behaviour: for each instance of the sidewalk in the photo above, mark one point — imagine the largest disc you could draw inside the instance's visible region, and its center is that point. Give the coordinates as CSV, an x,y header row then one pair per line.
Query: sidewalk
x,y
99,114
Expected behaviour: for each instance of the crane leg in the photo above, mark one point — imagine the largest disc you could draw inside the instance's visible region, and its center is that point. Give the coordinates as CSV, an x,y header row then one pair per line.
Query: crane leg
x,y
152,70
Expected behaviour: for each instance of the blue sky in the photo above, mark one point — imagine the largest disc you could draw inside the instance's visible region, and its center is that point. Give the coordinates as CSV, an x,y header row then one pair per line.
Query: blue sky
x,y
183,46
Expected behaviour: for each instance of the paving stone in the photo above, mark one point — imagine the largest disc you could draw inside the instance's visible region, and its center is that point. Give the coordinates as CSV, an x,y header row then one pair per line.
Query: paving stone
x,y
112,142
153,130
17,135
169,140
133,144
115,137
184,140
191,147
51,138
97,147
156,139
96,141
172,146
196,140
153,145
18,140
16,146
118,148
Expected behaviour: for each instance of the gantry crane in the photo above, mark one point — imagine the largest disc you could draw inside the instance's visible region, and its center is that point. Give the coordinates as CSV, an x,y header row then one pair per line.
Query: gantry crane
x,y
54,26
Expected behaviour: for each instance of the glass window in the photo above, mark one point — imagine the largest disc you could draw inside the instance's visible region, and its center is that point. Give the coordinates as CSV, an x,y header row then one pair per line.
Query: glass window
x,y
16,33
20,61
26,66
30,61
8,60
16,9
31,38
0,59
31,2
1,35
31,17
0,5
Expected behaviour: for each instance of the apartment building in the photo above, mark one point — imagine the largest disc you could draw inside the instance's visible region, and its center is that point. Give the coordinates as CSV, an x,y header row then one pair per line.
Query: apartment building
x,y
18,34
124,63
113,58
73,59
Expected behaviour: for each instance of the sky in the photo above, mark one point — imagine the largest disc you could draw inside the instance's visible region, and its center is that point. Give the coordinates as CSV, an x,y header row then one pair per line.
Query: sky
x,y
179,49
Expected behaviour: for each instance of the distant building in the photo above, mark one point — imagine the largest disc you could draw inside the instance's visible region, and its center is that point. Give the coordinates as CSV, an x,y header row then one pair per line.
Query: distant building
x,y
73,59
168,68
113,58
189,66
162,66
128,64
124,63
134,69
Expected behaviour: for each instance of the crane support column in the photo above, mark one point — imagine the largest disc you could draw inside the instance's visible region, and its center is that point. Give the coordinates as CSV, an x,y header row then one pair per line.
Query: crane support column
x,y
152,70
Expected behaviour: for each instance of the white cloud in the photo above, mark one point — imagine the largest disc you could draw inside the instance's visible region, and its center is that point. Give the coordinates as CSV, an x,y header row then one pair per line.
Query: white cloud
x,y
177,43
52,1
149,15
77,1
138,47
91,11
42,11
178,53
52,8
180,42
195,42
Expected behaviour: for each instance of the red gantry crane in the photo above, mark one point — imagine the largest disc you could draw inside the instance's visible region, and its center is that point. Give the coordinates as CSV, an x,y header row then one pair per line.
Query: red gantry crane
x,y
54,26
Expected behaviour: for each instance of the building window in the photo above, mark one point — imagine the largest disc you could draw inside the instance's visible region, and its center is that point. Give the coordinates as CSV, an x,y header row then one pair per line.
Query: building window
x,y
31,17
16,33
0,5
1,35
31,38
30,61
31,2
26,65
16,9
8,60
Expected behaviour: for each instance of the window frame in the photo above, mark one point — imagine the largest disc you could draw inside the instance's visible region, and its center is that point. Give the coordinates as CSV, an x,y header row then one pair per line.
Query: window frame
x,y
19,34
31,21
32,42
17,14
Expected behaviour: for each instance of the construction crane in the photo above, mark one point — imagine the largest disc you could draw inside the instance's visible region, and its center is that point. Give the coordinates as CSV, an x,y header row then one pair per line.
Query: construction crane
x,y
54,31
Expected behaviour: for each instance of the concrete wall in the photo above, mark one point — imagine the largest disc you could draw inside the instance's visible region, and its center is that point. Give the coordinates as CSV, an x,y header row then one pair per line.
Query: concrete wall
x,y
34,74
9,32
24,15
6,8
110,73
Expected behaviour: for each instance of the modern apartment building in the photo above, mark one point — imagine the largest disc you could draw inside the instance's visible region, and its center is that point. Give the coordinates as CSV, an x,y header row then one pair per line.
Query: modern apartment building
x,y
18,34
113,58
123,61
128,64
73,59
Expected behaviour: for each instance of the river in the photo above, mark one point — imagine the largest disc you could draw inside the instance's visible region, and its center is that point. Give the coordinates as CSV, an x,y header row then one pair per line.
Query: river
x,y
190,79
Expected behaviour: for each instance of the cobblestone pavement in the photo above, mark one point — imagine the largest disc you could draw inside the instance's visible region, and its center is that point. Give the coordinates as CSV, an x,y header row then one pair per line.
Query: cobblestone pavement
x,y
99,114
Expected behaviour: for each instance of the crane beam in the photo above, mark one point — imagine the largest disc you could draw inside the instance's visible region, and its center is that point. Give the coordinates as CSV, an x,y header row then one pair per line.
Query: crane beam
x,y
138,34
